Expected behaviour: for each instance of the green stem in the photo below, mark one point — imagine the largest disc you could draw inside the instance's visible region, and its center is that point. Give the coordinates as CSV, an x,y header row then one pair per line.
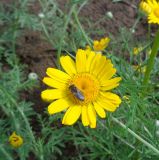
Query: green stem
x,y
121,139
81,28
149,32
28,127
7,155
136,136
151,59
46,33
136,22
63,35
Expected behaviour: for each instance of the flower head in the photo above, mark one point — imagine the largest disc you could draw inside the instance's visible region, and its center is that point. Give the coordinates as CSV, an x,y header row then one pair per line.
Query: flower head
x,y
15,140
101,45
83,89
145,7
151,8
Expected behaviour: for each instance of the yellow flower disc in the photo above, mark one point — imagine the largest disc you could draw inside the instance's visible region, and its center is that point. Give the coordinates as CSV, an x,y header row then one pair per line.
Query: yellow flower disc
x,y
88,85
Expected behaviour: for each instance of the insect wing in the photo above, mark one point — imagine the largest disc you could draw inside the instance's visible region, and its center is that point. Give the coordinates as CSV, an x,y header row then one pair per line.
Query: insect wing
x,y
79,95
76,92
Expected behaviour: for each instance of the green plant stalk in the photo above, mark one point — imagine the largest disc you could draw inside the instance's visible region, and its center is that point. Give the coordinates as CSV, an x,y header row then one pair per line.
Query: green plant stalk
x,y
151,59
136,22
136,136
81,28
121,139
5,153
63,35
149,32
46,33
26,122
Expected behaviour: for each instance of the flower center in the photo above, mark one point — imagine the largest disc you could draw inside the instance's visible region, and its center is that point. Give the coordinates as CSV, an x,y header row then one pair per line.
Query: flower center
x,y
156,12
84,88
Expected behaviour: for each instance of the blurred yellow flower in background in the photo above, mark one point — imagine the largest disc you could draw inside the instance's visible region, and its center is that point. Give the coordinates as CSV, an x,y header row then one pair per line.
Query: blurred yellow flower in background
x,y
83,89
137,50
151,8
101,44
15,140
145,7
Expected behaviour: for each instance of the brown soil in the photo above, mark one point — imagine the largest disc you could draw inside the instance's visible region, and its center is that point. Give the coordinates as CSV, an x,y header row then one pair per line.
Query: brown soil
x,y
35,52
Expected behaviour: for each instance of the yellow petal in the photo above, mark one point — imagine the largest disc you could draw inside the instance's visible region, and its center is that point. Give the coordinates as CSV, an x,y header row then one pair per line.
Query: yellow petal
x,y
68,65
110,84
152,3
107,67
81,61
84,116
100,65
95,61
54,83
111,97
52,94
57,75
110,87
106,104
91,116
100,111
107,75
90,58
71,115
58,105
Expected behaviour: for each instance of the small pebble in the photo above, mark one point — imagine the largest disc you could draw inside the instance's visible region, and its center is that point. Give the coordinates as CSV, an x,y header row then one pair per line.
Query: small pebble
x,y
132,30
32,76
41,15
110,15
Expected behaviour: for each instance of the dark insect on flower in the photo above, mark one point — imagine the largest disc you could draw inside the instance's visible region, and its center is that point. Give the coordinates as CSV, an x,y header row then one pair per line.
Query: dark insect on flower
x,y
76,92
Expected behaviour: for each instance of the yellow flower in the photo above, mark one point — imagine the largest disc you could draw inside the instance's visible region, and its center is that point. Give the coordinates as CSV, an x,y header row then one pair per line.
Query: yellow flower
x,y
15,140
101,45
137,50
83,89
145,7
151,7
